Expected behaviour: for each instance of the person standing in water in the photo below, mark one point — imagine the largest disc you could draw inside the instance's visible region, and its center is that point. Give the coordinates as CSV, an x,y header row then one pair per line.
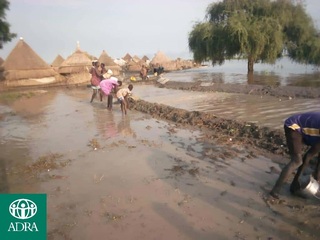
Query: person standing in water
x,y
95,80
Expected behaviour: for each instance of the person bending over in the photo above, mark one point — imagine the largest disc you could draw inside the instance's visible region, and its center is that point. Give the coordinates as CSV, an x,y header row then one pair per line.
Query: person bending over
x,y
107,86
300,129
122,96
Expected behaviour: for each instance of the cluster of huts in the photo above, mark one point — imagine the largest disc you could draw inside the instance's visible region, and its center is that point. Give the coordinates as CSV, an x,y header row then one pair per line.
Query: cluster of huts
x,y
24,67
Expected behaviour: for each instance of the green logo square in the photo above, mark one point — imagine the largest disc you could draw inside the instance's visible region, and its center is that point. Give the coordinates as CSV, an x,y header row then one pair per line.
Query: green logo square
x,y
23,216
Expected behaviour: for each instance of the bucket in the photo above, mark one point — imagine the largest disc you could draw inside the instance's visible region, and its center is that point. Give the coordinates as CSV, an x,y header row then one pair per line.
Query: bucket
x,y
311,188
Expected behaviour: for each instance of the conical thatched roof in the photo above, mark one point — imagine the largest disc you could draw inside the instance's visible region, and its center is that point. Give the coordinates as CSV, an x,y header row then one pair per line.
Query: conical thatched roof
x,y
145,58
127,57
76,63
136,59
57,61
160,58
106,59
24,63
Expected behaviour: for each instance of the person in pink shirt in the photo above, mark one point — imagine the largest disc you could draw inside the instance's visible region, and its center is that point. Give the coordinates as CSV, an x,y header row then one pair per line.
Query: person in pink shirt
x,y
108,87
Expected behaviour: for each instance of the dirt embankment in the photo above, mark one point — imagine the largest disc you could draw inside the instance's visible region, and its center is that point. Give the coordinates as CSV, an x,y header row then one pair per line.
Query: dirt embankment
x,y
277,91
218,128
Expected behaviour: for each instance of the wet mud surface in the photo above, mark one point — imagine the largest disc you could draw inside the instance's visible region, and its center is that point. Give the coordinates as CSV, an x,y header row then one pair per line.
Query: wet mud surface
x,y
157,173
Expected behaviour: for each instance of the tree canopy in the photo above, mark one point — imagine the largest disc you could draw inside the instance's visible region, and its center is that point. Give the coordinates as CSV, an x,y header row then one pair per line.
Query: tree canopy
x,y
258,30
5,34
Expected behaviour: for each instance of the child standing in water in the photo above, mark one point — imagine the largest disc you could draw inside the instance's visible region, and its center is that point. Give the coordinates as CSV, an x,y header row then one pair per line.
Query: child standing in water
x,y
122,96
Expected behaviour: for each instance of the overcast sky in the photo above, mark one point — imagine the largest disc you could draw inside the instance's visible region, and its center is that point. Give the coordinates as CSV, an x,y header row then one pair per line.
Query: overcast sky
x,y
137,27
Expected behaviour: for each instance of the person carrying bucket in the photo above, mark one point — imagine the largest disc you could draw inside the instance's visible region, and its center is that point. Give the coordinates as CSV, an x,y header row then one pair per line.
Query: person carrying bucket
x,y
300,129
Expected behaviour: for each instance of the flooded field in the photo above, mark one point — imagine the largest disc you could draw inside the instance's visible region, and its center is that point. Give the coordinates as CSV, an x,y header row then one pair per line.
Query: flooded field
x,y
263,110
110,176
283,73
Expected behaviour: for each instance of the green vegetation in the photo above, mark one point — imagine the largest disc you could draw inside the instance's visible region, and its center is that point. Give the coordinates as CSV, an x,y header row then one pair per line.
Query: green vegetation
x,y
258,30
5,34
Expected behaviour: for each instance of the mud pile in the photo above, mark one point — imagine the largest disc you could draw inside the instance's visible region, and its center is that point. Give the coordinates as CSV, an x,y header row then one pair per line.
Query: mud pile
x,y
218,128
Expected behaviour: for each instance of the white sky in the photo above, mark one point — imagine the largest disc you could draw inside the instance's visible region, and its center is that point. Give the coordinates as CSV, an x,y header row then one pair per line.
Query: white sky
x,y
137,27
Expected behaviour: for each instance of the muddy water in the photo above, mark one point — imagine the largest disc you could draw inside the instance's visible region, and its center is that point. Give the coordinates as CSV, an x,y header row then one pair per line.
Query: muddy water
x,y
283,73
134,177
262,110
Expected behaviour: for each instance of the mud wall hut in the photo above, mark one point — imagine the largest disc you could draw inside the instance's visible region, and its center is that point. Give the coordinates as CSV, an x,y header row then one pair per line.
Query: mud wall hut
x,y
109,63
76,67
160,59
57,62
24,67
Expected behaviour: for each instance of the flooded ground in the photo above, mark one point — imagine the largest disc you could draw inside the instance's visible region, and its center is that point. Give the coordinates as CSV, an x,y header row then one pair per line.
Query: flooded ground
x,y
283,73
110,176
263,110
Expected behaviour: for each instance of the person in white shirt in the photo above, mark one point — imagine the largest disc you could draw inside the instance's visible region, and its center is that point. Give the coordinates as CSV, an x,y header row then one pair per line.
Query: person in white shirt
x,y
122,95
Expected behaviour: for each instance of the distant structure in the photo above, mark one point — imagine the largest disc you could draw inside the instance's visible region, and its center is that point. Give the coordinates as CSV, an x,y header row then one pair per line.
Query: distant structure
x,y
127,58
160,59
24,67
76,66
109,63
57,62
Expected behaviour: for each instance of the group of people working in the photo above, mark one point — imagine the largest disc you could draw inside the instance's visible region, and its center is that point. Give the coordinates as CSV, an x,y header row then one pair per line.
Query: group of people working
x,y
300,129
104,84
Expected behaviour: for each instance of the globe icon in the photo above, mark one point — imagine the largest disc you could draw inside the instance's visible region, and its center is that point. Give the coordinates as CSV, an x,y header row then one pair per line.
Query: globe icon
x,y
23,208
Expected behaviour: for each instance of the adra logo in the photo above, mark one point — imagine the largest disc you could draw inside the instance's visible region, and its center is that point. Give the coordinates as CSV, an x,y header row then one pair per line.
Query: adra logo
x,y
23,208
24,216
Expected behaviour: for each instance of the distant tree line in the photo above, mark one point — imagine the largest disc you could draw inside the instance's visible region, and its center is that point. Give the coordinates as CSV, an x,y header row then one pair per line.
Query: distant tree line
x,y
257,30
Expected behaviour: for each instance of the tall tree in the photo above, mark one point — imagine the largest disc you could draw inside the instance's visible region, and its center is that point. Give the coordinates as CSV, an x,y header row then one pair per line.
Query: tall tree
x,y
258,30
5,34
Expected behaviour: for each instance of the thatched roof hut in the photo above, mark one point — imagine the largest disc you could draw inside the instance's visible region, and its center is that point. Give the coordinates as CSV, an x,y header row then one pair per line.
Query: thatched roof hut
x,y
23,63
77,62
161,59
133,66
127,58
136,59
145,58
109,63
57,61
106,59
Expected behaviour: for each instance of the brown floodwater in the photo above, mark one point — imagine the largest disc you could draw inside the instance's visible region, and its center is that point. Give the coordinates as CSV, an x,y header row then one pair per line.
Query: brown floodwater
x,y
263,110
135,177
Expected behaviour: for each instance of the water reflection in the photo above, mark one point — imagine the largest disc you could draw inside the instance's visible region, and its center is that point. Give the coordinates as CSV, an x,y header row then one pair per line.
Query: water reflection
x,y
284,72
124,127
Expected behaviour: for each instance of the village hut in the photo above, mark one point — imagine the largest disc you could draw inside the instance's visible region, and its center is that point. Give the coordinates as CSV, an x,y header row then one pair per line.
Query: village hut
x,y
76,67
160,59
57,62
109,63
127,58
24,67
133,66
145,58
136,59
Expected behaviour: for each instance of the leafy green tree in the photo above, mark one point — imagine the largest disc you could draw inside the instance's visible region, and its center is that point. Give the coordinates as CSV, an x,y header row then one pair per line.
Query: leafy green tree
x,y
5,34
257,30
